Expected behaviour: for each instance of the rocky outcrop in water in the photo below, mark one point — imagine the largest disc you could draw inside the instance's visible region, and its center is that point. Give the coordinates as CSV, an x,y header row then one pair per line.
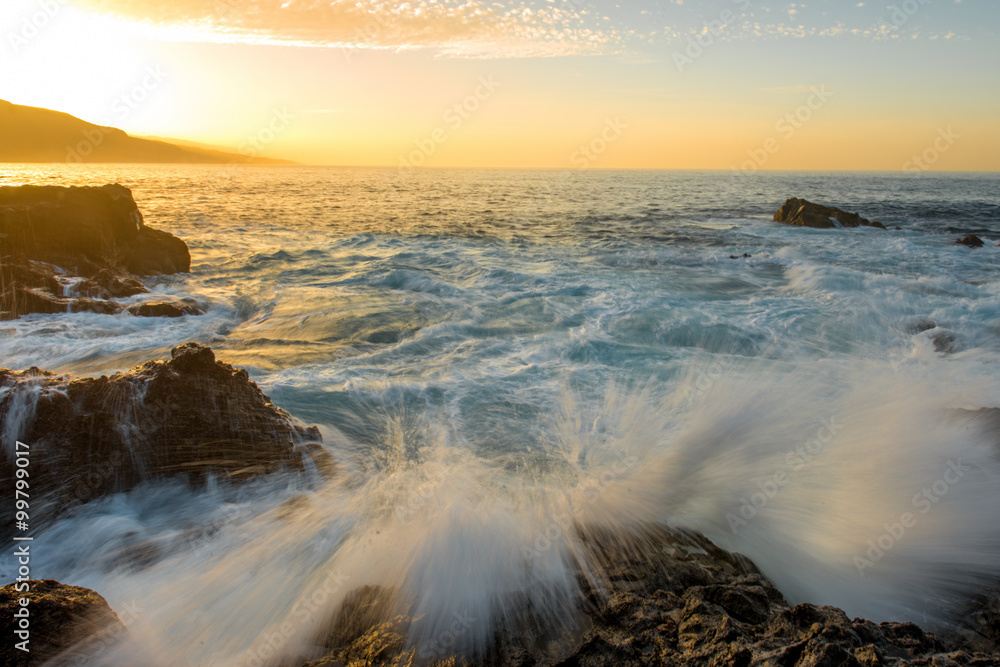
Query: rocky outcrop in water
x,y
972,241
50,234
674,598
64,624
189,416
802,213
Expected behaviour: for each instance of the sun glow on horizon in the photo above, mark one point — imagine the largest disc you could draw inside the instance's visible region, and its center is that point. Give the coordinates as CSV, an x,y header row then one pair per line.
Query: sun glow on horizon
x,y
375,83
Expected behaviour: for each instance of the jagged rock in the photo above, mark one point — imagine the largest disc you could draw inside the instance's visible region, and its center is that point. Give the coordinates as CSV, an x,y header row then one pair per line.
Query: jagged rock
x,y
802,213
177,308
66,624
106,284
188,416
971,240
668,597
93,232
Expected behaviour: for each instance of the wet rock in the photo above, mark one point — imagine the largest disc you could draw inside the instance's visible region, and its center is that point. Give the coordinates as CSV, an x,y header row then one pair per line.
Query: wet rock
x,y
802,213
189,416
920,326
93,232
106,284
971,241
667,597
175,308
945,343
66,624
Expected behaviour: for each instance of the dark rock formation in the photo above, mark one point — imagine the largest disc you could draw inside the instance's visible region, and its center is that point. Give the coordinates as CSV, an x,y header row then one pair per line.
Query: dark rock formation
x,y
105,284
174,308
66,624
188,416
971,240
945,343
802,213
48,233
674,598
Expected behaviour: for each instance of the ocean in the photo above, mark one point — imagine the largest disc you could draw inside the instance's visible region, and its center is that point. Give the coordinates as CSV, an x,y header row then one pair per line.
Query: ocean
x,y
488,352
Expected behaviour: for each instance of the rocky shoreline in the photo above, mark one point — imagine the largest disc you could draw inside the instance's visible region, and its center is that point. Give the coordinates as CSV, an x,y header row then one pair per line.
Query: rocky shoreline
x,y
657,596
77,249
664,597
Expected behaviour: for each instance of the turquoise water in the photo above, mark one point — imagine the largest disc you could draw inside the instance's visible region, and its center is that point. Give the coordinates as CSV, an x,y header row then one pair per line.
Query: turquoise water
x,y
481,347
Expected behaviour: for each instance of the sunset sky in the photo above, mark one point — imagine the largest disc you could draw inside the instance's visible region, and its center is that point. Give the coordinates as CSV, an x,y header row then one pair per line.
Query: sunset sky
x,y
774,85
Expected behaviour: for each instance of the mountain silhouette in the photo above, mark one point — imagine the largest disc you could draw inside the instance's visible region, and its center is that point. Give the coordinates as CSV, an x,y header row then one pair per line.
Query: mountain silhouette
x,y
33,134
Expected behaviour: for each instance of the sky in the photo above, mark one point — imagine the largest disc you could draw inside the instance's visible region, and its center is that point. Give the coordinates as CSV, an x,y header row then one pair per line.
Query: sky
x,y
910,85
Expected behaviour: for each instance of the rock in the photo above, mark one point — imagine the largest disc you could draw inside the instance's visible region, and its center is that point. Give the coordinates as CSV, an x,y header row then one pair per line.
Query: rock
x,y
93,232
177,308
971,240
189,416
106,284
738,256
67,624
945,343
920,326
667,597
802,213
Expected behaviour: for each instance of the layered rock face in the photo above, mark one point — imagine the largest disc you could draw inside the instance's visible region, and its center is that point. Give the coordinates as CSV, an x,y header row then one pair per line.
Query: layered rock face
x,y
49,234
802,213
188,416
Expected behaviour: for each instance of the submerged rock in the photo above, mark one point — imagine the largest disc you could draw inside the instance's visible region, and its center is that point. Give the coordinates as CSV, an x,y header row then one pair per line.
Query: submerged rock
x,y
666,597
971,241
174,308
65,624
50,233
802,213
190,416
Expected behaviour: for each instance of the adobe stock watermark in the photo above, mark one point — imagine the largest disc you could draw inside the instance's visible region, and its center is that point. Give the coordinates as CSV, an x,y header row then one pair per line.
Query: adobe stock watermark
x,y
269,646
942,143
366,33
899,15
454,118
255,144
923,502
786,127
705,380
121,108
562,523
418,497
795,460
33,24
713,31
443,645
596,147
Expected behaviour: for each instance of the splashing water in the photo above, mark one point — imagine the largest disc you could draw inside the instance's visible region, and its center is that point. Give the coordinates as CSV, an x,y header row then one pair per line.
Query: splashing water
x,y
583,358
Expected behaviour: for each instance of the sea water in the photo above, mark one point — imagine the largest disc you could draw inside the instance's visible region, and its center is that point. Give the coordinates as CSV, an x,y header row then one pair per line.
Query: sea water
x,y
498,357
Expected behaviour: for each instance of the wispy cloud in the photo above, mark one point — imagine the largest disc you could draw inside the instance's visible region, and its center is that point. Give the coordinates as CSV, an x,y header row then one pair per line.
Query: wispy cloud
x,y
469,28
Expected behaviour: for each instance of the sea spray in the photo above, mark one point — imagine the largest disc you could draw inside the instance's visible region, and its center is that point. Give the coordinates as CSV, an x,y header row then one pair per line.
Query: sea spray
x,y
480,555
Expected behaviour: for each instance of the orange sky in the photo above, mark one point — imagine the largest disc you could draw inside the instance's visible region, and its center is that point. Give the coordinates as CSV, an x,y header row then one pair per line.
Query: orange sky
x,y
557,83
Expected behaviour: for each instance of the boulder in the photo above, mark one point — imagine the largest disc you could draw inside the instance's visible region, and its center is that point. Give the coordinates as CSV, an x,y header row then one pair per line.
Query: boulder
x,y
66,624
50,233
174,308
802,213
971,241
189,416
